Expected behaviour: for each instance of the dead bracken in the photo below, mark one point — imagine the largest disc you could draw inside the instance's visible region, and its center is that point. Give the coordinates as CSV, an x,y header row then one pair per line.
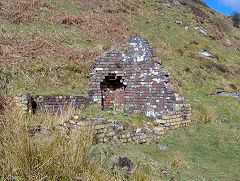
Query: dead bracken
x,y
23,11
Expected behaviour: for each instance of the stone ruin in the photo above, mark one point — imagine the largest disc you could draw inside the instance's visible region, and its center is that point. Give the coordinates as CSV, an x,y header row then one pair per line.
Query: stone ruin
x,y
128,78
131,79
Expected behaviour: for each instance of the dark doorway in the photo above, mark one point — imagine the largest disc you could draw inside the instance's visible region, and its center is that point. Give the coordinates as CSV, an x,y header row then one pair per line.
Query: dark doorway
x,y
113,91
33,105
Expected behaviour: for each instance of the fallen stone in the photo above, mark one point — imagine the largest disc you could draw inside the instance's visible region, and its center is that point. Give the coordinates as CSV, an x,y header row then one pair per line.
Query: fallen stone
x,y
225,93
178,22
201,29
206,53
161,147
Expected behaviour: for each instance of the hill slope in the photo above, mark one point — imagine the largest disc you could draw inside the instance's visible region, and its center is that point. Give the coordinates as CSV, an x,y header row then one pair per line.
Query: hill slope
x,y
48,47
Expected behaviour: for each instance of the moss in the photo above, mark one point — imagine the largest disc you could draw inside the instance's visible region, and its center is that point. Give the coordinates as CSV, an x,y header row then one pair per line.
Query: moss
x,y
118,64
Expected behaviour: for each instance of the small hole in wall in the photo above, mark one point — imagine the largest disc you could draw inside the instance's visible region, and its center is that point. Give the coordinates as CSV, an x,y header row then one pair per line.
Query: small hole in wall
x,y
113,82
33,105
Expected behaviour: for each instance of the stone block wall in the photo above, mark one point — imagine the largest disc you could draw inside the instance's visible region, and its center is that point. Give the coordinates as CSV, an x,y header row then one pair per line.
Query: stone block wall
x,y
22,101
107,129
175,120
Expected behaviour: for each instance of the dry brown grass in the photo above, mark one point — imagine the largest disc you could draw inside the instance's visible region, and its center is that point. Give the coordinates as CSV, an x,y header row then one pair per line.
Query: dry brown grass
x,y
111,28
120,6
22,11
195,9
5,104
32,148
50,155
106,27
16,49
216,32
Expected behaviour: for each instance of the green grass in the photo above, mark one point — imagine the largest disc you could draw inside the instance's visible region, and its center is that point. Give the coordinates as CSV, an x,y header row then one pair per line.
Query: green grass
x,y
199,152
207,150
94,111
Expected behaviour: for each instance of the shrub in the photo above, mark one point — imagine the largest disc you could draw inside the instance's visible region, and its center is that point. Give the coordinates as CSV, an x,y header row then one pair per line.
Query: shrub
x,y
236,18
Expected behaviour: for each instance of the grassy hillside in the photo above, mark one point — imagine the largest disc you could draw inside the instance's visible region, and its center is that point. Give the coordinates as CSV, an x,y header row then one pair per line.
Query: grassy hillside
x,y
48,47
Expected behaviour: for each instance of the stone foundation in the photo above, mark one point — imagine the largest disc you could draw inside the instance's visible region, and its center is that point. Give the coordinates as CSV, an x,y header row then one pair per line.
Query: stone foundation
x,y
107,129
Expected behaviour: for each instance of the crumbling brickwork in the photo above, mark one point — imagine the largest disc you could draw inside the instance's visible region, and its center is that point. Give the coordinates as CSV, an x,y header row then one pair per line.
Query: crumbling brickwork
x,y
39,104
130,78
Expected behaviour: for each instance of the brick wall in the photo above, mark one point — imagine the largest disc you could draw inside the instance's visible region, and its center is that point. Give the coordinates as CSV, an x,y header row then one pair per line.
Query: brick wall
x,y
37,104
130,78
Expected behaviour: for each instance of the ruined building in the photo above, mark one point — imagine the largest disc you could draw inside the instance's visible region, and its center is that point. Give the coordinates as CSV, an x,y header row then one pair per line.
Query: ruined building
x,y
130,78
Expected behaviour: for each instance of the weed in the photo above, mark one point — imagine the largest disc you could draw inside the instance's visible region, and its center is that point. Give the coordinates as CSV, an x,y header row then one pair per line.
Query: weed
x,y
118,64
233,86
5,104
216,143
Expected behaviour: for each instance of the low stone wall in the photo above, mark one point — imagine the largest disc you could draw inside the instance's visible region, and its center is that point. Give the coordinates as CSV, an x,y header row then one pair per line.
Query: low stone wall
x,y
107,129
177,119
36,104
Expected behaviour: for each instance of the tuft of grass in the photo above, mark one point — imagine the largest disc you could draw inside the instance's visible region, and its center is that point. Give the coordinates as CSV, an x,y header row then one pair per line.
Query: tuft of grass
x,y
49,155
